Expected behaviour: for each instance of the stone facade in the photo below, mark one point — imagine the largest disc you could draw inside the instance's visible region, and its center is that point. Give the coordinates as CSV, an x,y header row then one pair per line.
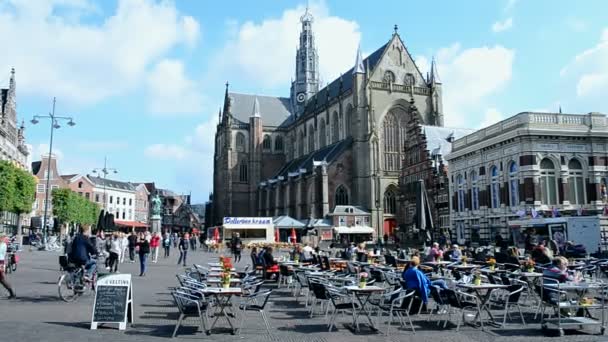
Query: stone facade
x,y
40,169
531,162
342,144
12,138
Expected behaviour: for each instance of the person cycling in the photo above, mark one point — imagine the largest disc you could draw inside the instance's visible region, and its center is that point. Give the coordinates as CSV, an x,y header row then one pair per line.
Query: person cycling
x,y
81,252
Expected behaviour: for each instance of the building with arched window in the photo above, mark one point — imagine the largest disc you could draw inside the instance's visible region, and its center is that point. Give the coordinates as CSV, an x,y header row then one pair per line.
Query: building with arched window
x,y
335,136
530,165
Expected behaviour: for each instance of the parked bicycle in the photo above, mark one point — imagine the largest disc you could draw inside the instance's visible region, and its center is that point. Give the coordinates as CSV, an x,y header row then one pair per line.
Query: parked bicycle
x,y
11,259
72,283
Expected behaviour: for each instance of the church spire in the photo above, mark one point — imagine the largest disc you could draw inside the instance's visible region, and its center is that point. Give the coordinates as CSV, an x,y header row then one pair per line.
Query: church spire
x,y
434,74
256,108
306,83
359,68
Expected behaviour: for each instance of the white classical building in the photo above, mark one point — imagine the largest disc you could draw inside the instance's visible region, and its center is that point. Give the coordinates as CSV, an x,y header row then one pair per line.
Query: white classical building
x,y
119,197
532,164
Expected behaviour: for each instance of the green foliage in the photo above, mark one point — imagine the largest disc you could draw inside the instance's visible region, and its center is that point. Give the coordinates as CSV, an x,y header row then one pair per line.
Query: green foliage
x,y
70,207
17,189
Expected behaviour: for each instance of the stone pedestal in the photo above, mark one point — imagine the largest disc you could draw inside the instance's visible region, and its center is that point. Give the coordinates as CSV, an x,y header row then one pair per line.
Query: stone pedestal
x,y
155,225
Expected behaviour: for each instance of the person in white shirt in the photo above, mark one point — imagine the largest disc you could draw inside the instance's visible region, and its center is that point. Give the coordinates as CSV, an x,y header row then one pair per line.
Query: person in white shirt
x,y
307,252
124,245
3,256
115,252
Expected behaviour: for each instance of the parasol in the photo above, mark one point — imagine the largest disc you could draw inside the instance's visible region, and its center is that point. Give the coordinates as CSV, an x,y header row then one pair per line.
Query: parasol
x,y
276,235
216,235
294,237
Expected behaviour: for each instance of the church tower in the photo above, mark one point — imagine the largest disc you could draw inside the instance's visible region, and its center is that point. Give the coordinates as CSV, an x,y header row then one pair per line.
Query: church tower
x,y
306,83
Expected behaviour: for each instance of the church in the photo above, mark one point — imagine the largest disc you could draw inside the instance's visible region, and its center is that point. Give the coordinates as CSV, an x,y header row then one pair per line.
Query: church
x,y
322,147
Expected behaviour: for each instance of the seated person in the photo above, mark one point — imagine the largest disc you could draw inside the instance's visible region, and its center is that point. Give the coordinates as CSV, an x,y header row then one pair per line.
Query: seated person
x,y
558,270
307,253
361,253
540,256
512,256
269,262
456,254
415,279
435,252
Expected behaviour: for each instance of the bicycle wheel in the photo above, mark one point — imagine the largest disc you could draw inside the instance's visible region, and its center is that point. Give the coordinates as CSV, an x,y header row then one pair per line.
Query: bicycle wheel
x,y
67,288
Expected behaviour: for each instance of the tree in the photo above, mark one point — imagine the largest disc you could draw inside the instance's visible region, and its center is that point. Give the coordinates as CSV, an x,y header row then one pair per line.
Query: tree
x,y
72,209
7,185
24,196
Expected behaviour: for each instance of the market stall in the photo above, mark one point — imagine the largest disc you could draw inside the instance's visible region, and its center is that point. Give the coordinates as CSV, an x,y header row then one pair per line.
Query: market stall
x,y
250,229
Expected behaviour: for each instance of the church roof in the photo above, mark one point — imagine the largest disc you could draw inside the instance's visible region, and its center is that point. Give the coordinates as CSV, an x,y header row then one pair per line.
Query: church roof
x,y
437,138
341,84
328,153
275,111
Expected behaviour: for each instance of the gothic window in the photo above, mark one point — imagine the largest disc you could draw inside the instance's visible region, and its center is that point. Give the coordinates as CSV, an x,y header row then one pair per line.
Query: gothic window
x,y
340,126
240,142
513,185
392,142
409,80
575,182
335,129
390,201
389,77
474,190
311,138
348,122
460,182
341,195
548,182
266,143
322,136
495,187
243,177
278,144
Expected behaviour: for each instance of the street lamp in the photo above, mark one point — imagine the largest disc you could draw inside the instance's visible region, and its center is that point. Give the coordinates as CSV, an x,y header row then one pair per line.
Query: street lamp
x,y
104,171
54,125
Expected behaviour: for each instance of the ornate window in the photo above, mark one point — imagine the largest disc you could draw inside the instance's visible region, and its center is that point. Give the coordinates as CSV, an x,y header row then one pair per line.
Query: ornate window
x,y
392,142
322,134
460,182
474,190
390,201
575,182
495,187
409,79
335,129
389,77
240,142
311,138
278,144
266,143
243,177
548,182
341,195
513,185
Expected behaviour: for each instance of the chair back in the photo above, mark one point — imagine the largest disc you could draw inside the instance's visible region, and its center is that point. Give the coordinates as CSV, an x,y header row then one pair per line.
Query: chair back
x,y
515,292
505,279
452,298
350,268
325,262
319,290
377,275
284,270
390,260
437,295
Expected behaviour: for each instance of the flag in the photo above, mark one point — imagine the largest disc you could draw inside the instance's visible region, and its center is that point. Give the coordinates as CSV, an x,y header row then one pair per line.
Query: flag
x,y
534,213
294,237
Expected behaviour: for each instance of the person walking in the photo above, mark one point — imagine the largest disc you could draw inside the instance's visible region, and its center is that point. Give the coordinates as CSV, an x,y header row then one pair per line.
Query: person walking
x,y
124,247
144,249
132,244
167,244
175,240
3,256
236,244
115,251
184,242
155,245
193,242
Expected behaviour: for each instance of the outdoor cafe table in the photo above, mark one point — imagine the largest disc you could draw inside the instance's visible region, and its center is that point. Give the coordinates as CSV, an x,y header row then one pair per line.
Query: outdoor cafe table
x,y
218,281
214,264
219,274
437,263
219,269
465,267
362,295
478,289
223,297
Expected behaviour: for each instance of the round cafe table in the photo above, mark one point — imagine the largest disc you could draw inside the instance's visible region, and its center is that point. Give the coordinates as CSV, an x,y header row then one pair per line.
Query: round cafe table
x,y
362,296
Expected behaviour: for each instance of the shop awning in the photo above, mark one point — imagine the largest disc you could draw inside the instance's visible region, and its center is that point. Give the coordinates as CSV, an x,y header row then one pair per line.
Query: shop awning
x,y
133,224
354,230
287,222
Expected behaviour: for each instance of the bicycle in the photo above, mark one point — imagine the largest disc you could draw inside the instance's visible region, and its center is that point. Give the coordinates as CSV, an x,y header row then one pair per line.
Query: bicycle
x,y
72,283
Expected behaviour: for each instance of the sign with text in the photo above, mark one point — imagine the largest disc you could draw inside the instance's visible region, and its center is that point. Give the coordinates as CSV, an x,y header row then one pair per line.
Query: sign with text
x,y
247,221
113,301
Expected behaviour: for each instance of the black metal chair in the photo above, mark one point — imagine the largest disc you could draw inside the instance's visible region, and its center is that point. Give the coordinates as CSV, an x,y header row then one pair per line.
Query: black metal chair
x,y
256,302
463,301
399,303
325,263
509,299
285,274
319,291
190,306
341,302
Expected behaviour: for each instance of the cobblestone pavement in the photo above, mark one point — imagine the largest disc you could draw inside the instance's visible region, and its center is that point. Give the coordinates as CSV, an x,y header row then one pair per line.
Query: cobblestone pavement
x,y
39,315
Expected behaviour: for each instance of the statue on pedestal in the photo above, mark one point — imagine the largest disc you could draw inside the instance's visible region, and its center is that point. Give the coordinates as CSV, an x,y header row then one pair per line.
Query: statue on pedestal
x,y
156,207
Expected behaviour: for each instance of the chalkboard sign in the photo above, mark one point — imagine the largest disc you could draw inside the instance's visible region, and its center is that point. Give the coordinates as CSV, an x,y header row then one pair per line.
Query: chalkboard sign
x,y
113,301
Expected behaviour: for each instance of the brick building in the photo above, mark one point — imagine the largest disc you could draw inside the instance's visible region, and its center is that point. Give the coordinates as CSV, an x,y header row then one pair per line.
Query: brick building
x,y
40,170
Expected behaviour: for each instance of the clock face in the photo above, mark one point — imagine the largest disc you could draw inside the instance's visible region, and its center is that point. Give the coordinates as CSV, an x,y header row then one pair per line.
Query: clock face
x,y
301,97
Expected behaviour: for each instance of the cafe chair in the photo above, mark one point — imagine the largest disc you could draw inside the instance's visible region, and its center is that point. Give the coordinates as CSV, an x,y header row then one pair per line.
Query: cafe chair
x,y
441,304
255,302
341,302
285,276
190,306
255,265
398,303
301,286
463,302
510,297
320,295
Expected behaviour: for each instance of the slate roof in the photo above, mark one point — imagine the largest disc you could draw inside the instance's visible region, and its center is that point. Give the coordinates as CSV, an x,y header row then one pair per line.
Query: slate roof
x,y
328,153
314,222
109,183
342,210
275,111
286,222
436,138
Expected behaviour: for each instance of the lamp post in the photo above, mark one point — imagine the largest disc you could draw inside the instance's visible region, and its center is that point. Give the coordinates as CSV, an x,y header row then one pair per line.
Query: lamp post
x,y
54,119
105,171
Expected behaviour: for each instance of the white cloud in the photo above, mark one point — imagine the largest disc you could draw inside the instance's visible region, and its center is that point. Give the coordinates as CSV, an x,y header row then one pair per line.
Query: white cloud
x,y
166,152
170,90
265,52
589,71
86,63
470,77
491,116
501,26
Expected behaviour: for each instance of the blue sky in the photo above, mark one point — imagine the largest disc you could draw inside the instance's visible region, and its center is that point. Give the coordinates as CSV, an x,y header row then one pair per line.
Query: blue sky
x,y
144,79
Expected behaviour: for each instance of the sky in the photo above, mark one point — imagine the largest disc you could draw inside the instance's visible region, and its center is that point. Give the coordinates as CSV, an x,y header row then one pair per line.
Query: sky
x,y
144,79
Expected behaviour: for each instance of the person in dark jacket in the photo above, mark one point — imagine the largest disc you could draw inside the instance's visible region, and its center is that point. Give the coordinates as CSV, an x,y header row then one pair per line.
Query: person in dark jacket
x,y
132,243
184,243
144,249
236,244
81,251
